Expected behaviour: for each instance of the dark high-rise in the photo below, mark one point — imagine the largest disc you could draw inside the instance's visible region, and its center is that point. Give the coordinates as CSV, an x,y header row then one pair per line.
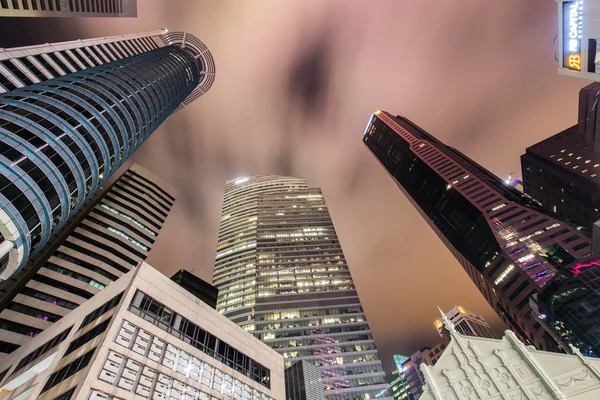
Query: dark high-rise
x,y
72,113
563,171
509,245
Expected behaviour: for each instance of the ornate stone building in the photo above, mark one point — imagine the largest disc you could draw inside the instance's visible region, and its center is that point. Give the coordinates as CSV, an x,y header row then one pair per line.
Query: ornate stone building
x,y
480,368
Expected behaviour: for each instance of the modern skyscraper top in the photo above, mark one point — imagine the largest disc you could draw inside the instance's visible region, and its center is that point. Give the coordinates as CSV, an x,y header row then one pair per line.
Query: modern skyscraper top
x,y
72,113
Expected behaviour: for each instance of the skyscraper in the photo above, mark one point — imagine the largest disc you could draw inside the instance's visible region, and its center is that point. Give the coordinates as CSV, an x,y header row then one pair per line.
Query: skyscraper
x,y
65,129
397,379
282,275
563,171
72,8
510,247
112,234
466,323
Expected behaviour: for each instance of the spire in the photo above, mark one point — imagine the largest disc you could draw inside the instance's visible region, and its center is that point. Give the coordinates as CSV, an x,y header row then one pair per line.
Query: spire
x,y
447,323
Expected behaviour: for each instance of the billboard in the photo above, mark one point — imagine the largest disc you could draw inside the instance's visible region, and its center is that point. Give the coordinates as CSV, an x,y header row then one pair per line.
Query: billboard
x,y
572,33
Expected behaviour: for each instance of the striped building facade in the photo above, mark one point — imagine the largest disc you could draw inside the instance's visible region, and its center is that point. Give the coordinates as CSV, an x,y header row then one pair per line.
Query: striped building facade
x,y
282,276
72,113
116,232
509,245
68,8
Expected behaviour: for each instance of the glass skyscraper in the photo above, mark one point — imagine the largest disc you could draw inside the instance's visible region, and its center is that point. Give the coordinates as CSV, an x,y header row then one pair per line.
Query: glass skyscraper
x,y
282,276
510,247
72,113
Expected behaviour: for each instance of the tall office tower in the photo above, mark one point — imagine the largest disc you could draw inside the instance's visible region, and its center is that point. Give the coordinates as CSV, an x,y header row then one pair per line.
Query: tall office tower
x,y
282,275
466,323
111,235
72,8
65,129
510,247
563,171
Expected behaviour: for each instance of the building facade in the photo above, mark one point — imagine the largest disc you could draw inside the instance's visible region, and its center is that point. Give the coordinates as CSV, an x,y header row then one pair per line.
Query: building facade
x,y
399,386
303,381
113,234
143,337
71,8
72,113
509,245
476,368
568,305
467,323
563,171
282,275
578,39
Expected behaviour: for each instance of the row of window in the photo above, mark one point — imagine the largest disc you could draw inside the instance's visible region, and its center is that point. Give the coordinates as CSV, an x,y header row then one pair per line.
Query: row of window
x,y
100,311
43,349
166,319
69,370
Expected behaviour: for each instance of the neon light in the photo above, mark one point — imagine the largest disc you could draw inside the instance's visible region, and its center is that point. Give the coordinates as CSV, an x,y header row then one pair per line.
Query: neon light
x,y
576,269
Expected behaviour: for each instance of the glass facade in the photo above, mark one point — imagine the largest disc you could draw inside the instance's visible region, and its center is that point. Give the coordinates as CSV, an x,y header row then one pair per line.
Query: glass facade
x,y
508,244
62,136
569,305
282,276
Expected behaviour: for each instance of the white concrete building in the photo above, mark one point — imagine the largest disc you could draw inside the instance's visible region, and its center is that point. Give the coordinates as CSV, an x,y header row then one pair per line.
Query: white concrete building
x,y
467,323
578,38
480,368
143,337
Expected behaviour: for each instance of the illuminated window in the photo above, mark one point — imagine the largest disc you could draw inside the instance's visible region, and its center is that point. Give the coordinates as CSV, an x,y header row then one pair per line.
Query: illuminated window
x,y
499,207
568,162
553,155
576,166
596,165
584,171
562,151
560,159
587,161
593,175
570,154
578,158
504,274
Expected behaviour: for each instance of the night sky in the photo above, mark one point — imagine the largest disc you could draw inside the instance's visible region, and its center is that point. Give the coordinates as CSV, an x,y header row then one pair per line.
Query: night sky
x,y
296,83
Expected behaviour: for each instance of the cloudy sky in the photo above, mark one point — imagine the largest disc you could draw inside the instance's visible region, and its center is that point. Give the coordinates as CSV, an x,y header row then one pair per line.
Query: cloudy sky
x,y
296,83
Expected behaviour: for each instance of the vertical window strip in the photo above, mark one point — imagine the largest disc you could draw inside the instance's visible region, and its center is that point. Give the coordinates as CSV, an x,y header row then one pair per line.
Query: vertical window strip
x,y
74,59
52,64
85,57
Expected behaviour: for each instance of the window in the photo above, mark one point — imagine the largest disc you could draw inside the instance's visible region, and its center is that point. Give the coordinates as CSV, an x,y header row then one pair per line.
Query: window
x,y
19,328
48,298
46,347
163,317
100,311
88,336
66,395
69,370
33,312
62,286
7,348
